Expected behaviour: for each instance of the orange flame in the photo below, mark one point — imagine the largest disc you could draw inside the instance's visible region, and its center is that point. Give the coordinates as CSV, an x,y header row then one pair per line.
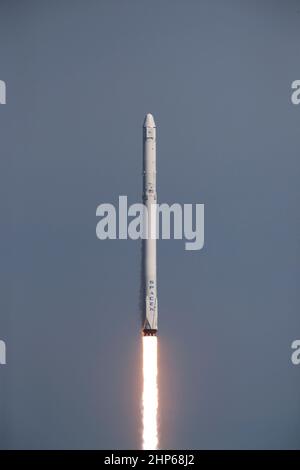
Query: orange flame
x,y
150,393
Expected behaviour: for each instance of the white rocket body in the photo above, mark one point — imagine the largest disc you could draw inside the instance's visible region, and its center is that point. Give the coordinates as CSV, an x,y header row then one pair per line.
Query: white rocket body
x,y
150,304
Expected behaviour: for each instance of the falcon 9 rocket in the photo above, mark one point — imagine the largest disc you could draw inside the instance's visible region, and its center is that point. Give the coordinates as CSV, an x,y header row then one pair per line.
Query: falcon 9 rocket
x,y
150,305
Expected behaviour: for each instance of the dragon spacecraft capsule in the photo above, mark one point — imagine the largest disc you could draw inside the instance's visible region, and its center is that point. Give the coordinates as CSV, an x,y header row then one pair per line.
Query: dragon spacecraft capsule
x,y
150,305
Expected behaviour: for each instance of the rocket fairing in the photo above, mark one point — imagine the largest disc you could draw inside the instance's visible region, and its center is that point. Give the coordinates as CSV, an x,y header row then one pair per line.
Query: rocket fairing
x,y
150,305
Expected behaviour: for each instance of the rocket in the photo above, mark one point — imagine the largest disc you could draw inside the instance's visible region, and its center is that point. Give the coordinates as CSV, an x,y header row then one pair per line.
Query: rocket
x,y
150,306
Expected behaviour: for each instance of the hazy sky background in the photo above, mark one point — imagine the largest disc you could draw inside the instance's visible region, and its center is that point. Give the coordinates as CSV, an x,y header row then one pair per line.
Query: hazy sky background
x,y
80,77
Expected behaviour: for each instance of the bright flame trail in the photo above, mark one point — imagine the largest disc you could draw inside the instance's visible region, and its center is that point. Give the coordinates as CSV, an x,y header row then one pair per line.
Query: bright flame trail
x,y
150,393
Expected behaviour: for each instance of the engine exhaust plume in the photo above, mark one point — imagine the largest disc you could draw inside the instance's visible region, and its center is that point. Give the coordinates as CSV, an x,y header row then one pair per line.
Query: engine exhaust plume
x,y
150,393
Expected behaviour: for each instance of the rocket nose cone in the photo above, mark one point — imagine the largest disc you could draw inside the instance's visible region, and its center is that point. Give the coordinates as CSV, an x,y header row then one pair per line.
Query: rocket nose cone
x,y
149,121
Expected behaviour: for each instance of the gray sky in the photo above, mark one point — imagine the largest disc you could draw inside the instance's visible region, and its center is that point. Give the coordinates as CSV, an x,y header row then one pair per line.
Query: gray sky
x,y
80,77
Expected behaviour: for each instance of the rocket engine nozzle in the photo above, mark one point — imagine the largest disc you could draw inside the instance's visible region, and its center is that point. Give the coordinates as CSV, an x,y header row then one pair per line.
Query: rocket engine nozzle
x,y
148,332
